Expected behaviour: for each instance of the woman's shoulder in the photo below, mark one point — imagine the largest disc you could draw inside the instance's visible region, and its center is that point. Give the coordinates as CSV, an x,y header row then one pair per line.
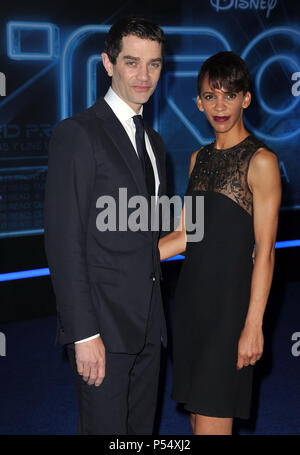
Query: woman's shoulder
x,y
201,149
263,161
194,155
261,156
264,158
260,148
263,167
194,158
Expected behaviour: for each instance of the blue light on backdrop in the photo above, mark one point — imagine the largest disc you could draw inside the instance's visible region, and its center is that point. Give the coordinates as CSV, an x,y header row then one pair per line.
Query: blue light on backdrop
x,y
35,273
14,40
77,64
24,274
14,52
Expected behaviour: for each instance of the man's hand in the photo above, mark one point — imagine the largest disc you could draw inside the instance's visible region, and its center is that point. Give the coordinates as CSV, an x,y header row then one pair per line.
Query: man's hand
x,y
90,360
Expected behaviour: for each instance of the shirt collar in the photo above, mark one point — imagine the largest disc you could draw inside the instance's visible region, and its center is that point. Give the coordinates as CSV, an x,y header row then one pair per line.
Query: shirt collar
x,y
120,108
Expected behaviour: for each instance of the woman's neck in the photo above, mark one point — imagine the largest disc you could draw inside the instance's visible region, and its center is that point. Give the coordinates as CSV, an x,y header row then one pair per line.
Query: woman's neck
x,y
230,138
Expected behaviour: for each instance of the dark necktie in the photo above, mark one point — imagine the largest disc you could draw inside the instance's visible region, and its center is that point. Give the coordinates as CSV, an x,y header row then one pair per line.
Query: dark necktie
x,y
143,155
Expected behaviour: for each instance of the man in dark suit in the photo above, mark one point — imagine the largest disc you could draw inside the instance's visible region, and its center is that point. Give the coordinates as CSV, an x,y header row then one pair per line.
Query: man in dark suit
x,y
107,281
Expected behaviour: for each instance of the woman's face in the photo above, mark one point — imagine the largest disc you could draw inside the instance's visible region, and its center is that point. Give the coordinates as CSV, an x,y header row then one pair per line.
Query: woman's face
x,y
223,109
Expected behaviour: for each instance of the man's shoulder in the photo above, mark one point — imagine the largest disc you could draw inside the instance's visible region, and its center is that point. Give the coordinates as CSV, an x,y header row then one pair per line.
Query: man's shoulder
x,y
83,120
83,117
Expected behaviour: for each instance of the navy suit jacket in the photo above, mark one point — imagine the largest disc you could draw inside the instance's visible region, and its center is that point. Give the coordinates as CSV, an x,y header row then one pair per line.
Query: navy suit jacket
x,y
103,281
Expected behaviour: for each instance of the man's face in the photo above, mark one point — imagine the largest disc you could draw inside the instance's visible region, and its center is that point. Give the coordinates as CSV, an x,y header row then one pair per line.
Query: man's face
x,y
223,109
136,71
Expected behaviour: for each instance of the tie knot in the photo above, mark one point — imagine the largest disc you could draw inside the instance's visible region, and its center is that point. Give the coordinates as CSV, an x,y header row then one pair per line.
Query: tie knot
x,y
138,121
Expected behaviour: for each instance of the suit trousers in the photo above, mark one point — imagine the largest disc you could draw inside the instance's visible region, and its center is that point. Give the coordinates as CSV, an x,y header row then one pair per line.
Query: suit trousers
x,y
125,402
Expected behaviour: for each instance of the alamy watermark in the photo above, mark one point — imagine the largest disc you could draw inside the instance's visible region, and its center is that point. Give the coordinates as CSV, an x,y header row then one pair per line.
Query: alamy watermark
x,y
2,84
151,215
296,346
296,86
2,345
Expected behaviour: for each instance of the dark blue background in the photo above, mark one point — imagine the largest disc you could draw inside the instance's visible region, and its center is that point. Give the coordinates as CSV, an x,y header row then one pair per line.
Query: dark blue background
x,y
37,99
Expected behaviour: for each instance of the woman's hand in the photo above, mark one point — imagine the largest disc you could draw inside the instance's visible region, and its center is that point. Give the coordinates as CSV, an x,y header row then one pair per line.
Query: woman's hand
x,y
251,345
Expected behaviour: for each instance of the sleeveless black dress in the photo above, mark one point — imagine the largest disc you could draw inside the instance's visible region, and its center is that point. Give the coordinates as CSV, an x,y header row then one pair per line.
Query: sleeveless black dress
x,y
213,290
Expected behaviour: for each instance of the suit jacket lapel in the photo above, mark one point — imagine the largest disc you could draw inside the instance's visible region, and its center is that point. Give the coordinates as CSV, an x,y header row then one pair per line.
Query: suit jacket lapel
x,y
157,155
121,140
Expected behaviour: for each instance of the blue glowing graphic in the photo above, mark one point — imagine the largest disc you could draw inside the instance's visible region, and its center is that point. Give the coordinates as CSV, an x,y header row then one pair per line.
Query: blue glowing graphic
x,y
82,33
14,40
21,233
72,43
268,34
174,258
293,34
201,31
14,51
24,274
174,113
287,244
196,133
268,62
45,271
23,87
91,86
223,5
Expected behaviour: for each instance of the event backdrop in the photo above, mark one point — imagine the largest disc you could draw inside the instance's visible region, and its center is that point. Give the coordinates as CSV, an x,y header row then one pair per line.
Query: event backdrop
x,y
51,68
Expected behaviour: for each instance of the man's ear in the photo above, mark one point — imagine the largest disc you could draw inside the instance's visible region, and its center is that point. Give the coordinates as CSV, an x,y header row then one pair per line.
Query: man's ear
x,y
199,104
107,64
247,100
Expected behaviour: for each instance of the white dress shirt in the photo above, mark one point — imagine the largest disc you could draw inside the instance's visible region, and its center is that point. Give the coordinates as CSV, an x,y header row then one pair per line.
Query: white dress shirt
x,y
125,113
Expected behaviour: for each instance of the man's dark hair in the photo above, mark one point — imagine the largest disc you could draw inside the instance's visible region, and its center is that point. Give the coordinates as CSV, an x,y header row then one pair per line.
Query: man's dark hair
x,y
225,70
131,25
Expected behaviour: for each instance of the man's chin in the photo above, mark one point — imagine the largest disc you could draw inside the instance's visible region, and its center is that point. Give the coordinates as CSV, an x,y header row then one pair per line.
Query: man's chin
x,y
142,97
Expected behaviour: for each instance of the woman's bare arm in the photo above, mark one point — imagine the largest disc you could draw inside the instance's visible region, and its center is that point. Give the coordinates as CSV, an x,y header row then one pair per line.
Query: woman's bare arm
x,y
264,182
175,242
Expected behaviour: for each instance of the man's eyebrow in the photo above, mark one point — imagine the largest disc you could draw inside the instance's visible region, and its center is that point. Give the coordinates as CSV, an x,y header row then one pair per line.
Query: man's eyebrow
x,y
130,57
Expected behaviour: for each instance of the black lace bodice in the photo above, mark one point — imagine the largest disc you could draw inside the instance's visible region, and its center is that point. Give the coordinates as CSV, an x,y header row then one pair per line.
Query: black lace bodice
x,y
225,171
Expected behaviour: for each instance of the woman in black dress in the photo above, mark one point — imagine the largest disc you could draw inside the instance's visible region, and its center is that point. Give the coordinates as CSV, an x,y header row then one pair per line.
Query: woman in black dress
x,y
221,295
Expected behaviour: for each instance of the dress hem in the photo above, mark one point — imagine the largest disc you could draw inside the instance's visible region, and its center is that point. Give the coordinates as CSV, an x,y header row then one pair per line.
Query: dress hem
x,y
207,413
